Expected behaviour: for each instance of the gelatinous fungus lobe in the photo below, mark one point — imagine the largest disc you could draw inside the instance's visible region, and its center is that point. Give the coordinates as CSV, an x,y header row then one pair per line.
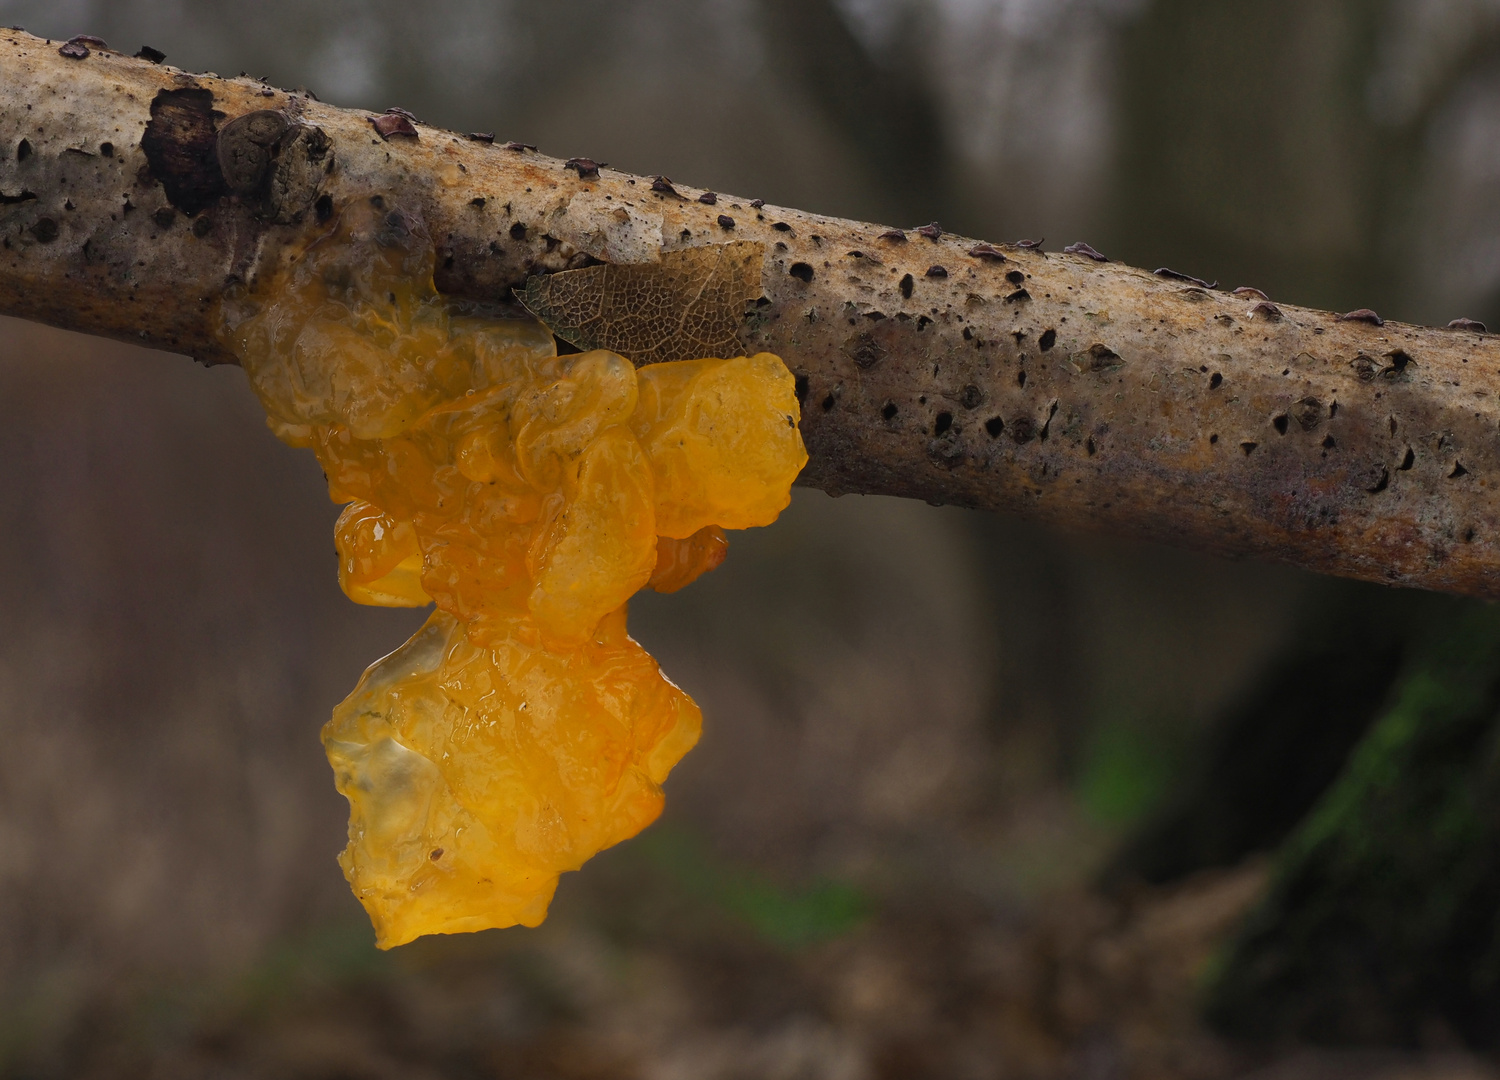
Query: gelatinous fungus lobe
x,y
527,495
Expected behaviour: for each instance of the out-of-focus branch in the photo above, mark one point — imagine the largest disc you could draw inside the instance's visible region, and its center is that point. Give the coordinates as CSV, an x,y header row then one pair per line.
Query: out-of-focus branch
x,y
1080,392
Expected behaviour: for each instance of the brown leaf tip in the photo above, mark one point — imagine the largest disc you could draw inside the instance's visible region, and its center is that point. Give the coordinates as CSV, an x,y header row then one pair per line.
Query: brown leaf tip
x,y
987,251
1364,315
933,231
1467,324
1085,250
391,124
586,168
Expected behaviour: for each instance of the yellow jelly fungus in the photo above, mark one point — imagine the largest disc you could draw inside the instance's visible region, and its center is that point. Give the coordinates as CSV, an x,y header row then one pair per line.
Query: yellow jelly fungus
x,y
528,495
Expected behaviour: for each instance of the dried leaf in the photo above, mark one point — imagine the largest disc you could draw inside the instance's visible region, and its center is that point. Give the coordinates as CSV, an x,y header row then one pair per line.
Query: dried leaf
x,y
688,305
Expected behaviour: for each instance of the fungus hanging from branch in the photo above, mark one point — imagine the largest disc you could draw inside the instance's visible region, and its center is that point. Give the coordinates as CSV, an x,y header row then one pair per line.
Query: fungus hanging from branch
x,y
529,496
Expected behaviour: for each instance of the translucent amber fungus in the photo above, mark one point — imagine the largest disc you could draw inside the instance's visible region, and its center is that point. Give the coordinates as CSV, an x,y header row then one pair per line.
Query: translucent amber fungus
x,y
528,495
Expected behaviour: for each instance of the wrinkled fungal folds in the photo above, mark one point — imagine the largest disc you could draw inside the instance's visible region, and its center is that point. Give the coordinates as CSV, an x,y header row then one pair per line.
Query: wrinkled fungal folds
x,y
527,496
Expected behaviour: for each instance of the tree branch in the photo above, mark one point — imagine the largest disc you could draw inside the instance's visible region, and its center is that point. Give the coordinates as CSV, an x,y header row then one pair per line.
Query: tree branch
x,y
1082,393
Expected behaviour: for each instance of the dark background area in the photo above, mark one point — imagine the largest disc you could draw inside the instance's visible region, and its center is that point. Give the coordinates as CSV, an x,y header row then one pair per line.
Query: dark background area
x,y
917,838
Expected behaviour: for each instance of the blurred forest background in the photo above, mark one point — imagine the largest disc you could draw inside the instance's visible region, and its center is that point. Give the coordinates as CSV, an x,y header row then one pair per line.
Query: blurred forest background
x,y
917,837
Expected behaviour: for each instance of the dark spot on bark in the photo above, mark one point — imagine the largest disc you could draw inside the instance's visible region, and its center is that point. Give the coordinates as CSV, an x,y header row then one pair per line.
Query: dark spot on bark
x,y
23,150
896,236
1081,248
1213,439
202,227
968,333
1408,461
801,271
1031,245
586,168
987,251
390,124
45,230
1021,378
1381,477
1248,447
146,52
906,285
164,217
1047,340
1328,443
1458,470
865,349
107,149
972,397
1215,381
181,147
937,271
1467,324
663,185
1309,413
888,411
1469,535
781,226
1092,449
943,422
756,204
1250,292
1022,430
477,202
323,208
482,136
725,221
435,854
933,231
246,146
1015,277
994,426
1017,296
923,322
828,403
1365,367
709,198
518,231
518,147
11,200
1333,409
1268,311
1399,359
1279,422
799,386
1364,315
1047,424
74,50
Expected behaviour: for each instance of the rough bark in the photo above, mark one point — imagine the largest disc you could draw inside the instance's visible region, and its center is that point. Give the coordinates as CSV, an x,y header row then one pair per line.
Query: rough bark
x,y
1084,393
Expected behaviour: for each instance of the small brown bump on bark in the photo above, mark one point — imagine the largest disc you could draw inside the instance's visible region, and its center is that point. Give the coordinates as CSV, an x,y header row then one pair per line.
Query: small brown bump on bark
x,y
1023,429
1362,315
1467,324
1268,311
245,147
74,50
906,285
519,147
1047,340
1086,250
181,147
663,185
709,198
1249,292
164,217
933,231
147,53
936,271
1015,277
482,136
45,230
1031,245
756,204
1017,296
725,222
895,236
389,125
987,251
1308,413
781,226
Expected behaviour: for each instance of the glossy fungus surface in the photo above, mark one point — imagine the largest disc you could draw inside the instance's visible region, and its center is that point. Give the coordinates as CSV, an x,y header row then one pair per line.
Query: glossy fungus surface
x,y
528,496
